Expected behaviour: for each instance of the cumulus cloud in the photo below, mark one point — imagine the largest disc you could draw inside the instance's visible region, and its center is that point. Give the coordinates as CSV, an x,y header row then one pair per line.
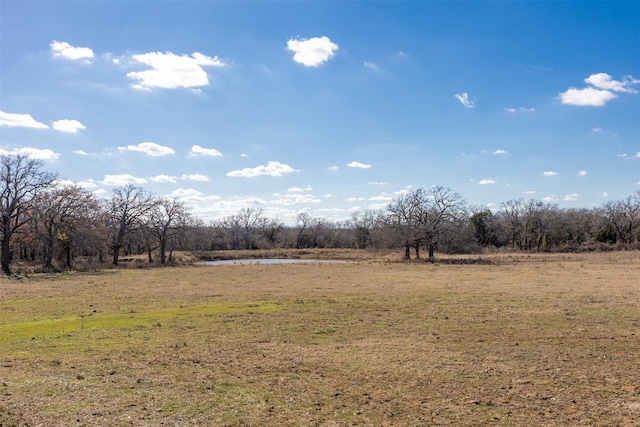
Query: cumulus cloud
x,y
190,195
171,71
195,177
486,181
582,173
80,152
163,178
587,97
571,197
499,152
312,52
294,199
198,150
270,169
549,173
65,50
333,168
70,126
122,179
68,183
370,65
601,90
358,165
149,148
464,99
32,153
20,120
605,81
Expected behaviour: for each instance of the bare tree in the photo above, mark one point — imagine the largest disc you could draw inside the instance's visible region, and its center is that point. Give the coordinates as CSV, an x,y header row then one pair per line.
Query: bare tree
x,y
21,180
128,208
167,218
62,217
304,222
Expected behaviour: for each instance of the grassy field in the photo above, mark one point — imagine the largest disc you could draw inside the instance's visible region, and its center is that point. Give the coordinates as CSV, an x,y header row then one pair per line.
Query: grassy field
x,y
519,340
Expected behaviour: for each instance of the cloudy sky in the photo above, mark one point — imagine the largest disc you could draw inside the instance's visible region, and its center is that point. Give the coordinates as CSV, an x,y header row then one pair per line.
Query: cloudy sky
x,y
326,107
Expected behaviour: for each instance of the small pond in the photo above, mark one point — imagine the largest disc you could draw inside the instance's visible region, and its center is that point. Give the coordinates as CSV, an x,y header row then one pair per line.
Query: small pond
x,y
270,261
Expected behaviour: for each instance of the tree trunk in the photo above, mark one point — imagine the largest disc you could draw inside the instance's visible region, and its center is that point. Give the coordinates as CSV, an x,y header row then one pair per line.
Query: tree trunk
x,y
407,251
163,250
67,249
116,254
417,249
6,256
432,247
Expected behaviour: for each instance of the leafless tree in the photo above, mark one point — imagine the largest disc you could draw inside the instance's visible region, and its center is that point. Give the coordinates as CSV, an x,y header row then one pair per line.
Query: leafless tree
x,y
21,180
62,217
167,219
128,208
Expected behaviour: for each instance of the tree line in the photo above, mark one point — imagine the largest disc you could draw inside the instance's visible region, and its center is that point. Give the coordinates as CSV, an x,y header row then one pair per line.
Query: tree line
x,y
58,226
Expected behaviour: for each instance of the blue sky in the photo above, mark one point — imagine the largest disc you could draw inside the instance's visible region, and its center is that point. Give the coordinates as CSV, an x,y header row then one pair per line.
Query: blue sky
x,y
327,107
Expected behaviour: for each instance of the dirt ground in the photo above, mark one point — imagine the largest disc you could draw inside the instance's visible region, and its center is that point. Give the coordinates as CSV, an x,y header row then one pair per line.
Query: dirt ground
x,y
509,340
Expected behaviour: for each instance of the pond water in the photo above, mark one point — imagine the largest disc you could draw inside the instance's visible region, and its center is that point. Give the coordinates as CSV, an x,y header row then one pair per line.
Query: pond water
x,y
270,261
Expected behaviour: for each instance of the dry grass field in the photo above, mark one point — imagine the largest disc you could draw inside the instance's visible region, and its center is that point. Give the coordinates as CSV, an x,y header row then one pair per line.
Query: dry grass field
x,y
519,340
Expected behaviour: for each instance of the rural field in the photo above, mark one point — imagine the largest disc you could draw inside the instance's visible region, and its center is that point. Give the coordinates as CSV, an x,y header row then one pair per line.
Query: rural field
x,y
504,340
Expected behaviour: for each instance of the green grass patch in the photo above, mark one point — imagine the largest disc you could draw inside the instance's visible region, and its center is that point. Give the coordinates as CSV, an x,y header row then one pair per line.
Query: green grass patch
x,y
36,329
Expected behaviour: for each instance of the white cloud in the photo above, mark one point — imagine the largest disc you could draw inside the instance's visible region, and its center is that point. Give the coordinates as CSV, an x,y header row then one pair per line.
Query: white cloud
x,y
149,148
383,197
70,126
68,183
529,192
637,156
270,169
355,199
571,197
370,65
333,168
163,178
605,81
378,183
65,50
294,199
486,181
20,120
587,97
521,109
195,177
358,165
171,71
196,149
122,179
32,153
312,52
582,173
80,152
295,190
87,184
600,92
464,99
192,195
549,173
500,152
550,199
